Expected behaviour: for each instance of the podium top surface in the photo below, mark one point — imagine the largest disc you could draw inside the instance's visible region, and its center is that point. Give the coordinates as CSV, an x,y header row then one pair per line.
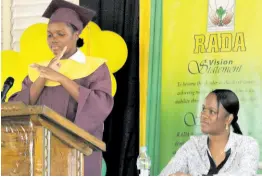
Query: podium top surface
x,y
15,109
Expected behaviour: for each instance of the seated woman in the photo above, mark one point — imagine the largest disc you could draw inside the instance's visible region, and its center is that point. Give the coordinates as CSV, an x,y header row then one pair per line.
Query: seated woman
x,y
220,151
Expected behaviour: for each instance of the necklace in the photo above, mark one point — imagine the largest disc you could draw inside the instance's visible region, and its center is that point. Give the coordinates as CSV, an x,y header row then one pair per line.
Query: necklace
x,y
222,152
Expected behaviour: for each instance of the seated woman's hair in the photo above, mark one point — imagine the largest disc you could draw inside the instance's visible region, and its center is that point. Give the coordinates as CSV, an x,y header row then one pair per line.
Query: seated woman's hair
x,y
80,41
230,102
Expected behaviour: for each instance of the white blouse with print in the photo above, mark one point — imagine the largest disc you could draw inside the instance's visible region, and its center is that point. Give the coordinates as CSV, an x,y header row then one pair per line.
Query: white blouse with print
x,y
192,157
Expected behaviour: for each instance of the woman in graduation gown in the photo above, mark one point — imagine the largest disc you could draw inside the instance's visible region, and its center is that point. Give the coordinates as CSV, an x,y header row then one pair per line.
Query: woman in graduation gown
x,y
74,85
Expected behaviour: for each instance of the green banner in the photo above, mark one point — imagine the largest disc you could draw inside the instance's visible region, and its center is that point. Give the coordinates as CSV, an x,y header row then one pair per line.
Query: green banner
x,y
209,45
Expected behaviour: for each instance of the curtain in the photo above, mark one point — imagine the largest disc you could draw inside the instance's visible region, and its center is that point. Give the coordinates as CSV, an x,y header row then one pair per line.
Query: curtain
x,y
121,133
154,85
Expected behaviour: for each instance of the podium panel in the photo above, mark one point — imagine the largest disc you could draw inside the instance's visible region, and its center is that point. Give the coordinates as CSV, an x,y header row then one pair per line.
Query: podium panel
x,y
36,141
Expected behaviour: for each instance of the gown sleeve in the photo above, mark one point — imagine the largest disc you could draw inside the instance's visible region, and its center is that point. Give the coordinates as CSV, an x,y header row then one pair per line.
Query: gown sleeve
x,y
24,94
95,100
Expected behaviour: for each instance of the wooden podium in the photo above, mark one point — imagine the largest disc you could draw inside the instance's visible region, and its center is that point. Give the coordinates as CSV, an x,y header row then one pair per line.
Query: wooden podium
x,y
37,141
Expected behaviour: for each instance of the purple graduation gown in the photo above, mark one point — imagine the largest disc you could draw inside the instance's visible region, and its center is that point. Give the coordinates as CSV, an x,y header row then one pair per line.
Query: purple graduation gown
x,y
94,105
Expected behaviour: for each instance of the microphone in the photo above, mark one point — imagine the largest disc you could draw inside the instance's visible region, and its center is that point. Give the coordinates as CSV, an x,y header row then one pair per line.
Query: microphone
x,y
7,85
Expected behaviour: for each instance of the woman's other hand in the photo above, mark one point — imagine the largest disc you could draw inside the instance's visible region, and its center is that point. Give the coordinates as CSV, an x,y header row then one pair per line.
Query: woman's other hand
x,y
48,73
55,63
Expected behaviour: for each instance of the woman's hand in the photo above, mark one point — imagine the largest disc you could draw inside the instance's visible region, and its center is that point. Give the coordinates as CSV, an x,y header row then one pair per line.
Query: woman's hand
x,y
51,71
48,73
55,63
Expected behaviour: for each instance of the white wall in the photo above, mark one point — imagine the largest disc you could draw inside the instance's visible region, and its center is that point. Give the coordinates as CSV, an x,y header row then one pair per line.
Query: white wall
x,y
17,15
5,24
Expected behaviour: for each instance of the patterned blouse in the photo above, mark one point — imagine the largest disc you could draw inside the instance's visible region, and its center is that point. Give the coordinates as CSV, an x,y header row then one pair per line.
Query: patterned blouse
x,y
193,157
